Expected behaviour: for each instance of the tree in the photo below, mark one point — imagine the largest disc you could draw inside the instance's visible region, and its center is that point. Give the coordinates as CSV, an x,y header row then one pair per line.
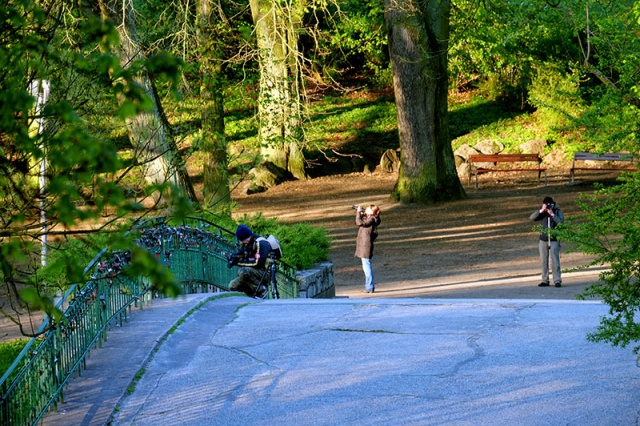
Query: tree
x,y
216,176
148,132
276,26
83,166
608,226
418,43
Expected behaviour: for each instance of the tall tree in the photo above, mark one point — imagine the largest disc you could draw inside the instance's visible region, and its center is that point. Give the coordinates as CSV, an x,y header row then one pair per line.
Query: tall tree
x,y
148,133
216,178
277,24
418,42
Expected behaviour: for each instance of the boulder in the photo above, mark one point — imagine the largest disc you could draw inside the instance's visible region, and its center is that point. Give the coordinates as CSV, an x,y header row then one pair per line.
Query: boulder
x,y
464,151
265,176
463,170
390,161
488,146
534,146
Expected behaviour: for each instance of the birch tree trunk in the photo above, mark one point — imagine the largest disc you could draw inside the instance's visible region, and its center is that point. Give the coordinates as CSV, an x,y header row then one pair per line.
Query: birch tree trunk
x,y
418,42
216,177
159,157
277,25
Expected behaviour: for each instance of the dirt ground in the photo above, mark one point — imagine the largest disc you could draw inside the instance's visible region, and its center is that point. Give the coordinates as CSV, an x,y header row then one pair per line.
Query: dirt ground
x,y
480,247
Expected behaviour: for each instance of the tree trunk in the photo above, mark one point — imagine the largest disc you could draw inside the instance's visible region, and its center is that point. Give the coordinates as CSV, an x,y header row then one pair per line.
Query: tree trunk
x,y
216,177
279,100
418,42
159,157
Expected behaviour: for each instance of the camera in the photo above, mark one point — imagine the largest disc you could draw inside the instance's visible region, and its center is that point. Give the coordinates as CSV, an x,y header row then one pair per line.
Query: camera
x,y
551,206
232,260
359,208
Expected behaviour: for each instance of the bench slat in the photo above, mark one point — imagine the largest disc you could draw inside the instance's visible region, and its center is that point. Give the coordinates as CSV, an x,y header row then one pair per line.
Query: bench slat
x,y
505,158
499,158
608,156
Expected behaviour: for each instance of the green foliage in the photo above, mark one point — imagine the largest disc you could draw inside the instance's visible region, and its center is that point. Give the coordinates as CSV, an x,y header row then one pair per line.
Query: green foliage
x,y
608,230
496,46
83,167
556,96
302,244
356,43
9,351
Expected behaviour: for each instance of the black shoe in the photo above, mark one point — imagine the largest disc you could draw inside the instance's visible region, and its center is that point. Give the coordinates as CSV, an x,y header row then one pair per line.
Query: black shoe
x,y
543,284
558,284
261,292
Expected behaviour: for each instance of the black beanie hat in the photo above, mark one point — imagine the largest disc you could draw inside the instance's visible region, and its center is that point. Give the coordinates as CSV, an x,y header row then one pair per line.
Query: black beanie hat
x,y
548,200
243,232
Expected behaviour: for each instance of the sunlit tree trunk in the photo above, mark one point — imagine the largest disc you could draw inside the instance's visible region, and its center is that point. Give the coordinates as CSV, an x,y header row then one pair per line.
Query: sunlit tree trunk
x,y
216,178
159,157
418,43
277,25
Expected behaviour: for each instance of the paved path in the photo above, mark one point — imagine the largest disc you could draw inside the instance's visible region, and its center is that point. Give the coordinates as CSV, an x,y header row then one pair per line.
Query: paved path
x,y
375,361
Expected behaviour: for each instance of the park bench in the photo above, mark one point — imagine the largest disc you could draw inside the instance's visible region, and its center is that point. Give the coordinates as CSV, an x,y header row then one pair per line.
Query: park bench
x,y
481,163
611,156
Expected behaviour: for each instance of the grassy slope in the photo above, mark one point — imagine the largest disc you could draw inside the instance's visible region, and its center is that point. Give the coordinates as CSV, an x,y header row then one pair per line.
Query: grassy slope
x,y
359,127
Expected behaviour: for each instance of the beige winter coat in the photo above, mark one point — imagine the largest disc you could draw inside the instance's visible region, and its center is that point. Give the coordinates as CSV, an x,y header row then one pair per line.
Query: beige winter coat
x,y
366,226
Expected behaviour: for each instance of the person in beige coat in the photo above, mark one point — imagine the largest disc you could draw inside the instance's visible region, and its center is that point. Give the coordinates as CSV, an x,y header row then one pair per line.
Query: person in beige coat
x,y
367,221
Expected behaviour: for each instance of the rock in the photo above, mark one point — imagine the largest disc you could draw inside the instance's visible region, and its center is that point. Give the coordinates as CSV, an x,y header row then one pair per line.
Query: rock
x,y
489,147
534,146
265,176
463,170
464,151
390,161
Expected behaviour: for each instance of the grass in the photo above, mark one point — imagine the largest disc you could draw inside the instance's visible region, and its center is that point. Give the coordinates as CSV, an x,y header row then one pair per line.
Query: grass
x,y
363,124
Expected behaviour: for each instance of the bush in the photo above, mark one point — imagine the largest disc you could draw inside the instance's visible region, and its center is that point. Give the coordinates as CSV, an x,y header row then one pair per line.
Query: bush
x,y
302,244
9,351
608,231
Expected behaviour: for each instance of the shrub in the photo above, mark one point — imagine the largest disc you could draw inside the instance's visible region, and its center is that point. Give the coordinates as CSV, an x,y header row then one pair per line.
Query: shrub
x,y
608,231
302,244
9,351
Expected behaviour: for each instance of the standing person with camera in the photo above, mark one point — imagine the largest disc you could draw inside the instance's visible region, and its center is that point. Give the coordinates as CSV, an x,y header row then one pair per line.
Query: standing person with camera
x,y
251,258
367,220
550,216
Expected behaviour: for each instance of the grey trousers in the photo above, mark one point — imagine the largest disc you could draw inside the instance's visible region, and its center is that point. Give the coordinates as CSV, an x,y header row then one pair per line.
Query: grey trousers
x,y
554,248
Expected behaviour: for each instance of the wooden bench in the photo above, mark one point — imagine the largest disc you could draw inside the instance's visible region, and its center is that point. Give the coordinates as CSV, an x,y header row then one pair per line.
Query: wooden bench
x,y
611,156
505,158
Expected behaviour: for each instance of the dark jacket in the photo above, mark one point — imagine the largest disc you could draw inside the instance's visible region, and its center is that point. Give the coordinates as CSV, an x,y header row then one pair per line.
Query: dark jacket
x,y
548,222
364,243
254,254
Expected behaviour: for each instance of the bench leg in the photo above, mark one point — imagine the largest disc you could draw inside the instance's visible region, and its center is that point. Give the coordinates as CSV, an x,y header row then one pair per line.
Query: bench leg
x,y
571,176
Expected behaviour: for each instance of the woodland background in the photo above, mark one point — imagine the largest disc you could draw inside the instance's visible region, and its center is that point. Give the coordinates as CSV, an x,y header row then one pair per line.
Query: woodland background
x,y
116,110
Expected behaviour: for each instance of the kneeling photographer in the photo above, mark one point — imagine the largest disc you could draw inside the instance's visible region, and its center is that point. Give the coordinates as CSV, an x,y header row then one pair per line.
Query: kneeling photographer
x,y
251,257
549,215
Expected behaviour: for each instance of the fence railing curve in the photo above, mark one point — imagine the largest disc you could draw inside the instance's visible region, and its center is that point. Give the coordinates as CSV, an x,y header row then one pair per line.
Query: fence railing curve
x,y
197,257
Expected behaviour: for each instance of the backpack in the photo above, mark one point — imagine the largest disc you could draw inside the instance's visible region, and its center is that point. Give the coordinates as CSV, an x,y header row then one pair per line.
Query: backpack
x,y
274,243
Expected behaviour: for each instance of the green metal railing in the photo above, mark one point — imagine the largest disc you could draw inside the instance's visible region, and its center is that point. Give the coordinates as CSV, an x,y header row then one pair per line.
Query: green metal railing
x,y
196,256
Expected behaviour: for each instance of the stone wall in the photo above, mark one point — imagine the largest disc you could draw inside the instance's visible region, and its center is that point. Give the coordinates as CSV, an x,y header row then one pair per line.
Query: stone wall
x,y
317,282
